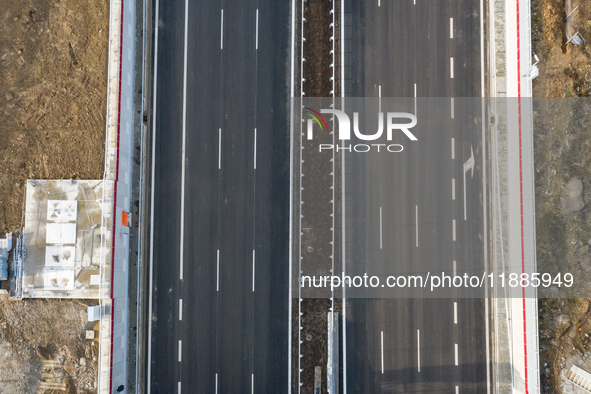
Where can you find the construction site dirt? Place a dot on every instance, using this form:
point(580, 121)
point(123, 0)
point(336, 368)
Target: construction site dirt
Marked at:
point(562, 158)
point(53, 87)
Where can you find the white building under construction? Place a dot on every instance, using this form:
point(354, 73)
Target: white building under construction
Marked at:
point(63, 250)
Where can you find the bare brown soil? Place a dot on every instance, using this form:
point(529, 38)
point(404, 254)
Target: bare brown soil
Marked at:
point(565, 70)
point(43, 345)
point(317, 32)
point(562, 152)
point(53, 87)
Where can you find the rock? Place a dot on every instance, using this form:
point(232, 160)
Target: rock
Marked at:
point(82, 361)
point(562, 319)
point(572, 200)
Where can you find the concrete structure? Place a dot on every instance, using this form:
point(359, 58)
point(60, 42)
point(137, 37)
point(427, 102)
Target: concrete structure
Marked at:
point(580, 377)
point(516, 322)
point(62, 244)
point(94, 312)
point(122, 121)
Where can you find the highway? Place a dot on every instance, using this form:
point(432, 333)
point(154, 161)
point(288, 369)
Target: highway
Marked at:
point(403, 210)
point(218, 303)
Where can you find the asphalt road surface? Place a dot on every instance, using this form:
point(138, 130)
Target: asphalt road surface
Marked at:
point(408, 208)
point(218, 301)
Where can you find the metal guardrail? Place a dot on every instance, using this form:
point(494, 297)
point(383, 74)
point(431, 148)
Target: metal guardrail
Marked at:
point(526, 80)
point(298, 123)
point(107, 201)
point(526, 22)
point(534, 266)
point(331, 347)
point(498, 9)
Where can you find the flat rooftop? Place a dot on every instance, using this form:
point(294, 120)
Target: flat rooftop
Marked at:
point(65, 242)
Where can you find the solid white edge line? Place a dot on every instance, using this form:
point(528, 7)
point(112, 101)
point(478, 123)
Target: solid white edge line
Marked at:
point(451, 67)
point(149, 372)
point(222, 32)
point(255, 148)
point(453, 148)
point(415, 99)
point(482, 50)
point(487, 335)
point(253, 265)
point(417, 226)
point(380, 227)
point(382, 352)
point(290, 242)
point(220, 149)
point(334, 158)
point(451, 27)
point(293, 40)
point(452, 108)
point(465, 205)
point(454, 229)
point(484, 205)
point(257, 31)
point(180, 309)
point(299, 210)
point(180, 350)
point(453, 188)
point(183, 149)
point(456, 354)
point(342, 42)
point(217, 285)
point(419, 350)
point(343, 221)
point(455, 313)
